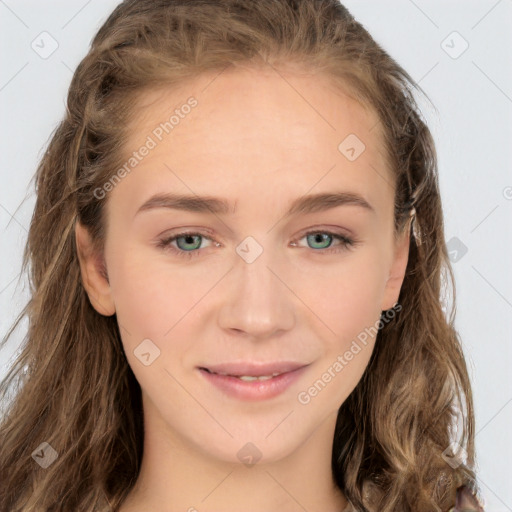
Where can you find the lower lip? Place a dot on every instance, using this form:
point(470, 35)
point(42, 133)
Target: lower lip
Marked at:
point(256, 389)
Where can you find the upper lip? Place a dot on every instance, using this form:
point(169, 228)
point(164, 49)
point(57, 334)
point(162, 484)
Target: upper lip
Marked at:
point(254, 369)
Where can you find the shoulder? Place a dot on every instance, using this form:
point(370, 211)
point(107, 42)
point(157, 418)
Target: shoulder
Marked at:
point(466, 501)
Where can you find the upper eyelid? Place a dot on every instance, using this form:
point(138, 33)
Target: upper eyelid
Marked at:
point(208, 233)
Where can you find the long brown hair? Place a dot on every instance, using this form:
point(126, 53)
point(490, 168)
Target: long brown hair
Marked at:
point(75, 389)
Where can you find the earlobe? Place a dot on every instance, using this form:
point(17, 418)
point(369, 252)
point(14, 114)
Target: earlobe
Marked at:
point(397, 272)
point(92, 269)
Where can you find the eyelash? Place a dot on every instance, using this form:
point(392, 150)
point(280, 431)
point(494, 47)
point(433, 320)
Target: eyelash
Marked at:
point(346, 243)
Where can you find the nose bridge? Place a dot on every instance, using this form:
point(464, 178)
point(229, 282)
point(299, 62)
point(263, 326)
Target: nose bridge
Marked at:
point(258, 302)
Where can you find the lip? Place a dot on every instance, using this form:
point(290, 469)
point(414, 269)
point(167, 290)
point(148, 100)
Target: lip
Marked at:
point(256, 390)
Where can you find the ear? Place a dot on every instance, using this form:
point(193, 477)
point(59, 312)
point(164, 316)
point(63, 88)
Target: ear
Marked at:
point(94, 275)
point(397, 270)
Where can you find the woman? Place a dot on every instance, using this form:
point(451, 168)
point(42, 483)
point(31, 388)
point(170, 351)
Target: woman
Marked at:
point(191, 347)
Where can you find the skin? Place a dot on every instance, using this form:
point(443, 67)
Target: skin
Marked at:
point(260, 139)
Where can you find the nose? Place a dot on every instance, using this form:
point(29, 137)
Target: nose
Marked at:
point(257, 300)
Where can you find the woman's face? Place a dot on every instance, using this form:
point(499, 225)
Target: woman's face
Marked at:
point(249, 285)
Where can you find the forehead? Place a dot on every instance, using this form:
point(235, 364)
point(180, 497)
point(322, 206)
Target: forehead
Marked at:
point(255, 98)
point(262, 130)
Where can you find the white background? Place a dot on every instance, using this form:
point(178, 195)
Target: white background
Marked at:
point(472, 127)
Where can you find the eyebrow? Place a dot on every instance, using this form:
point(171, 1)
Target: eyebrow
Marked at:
point(300, 206)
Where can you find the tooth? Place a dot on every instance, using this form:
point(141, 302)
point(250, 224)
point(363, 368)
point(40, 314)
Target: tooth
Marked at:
point(250, 378)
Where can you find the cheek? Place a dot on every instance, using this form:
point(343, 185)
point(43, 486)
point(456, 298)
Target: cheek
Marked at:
point(346, 307)
point(151, 296)
point(345, 296)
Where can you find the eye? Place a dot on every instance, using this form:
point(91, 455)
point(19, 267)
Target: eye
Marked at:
point(187, 243)
point(321, 241)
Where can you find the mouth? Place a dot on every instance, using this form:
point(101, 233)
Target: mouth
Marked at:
point(253, 382)
point(245, 378)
